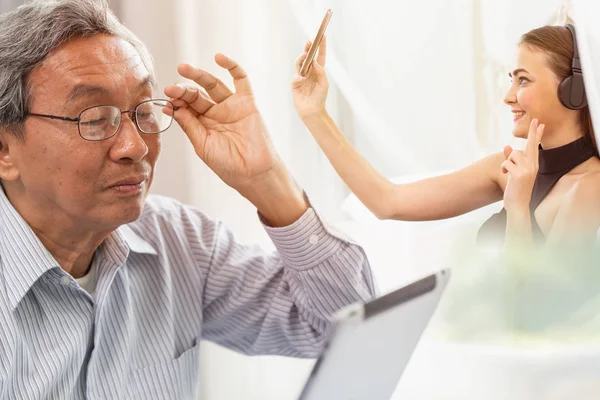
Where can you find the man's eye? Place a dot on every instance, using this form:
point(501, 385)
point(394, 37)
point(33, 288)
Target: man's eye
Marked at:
point(95, 122)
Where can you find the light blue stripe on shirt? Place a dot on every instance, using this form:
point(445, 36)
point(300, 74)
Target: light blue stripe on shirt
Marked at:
point(164, 282)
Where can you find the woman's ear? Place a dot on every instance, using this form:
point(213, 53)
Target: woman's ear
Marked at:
point(8, 169)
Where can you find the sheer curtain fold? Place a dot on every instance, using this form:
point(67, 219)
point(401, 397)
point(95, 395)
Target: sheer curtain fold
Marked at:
point(585, 13)
point(416, 86)
point(424, 82)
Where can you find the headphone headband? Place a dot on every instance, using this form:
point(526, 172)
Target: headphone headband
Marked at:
point(571, 91)
point(575, 64)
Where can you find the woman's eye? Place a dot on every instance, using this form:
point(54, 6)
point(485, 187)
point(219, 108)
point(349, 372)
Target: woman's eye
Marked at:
point(522, 80)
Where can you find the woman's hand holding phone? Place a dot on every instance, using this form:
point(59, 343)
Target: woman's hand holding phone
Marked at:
point(310, 91)
point(310, 85)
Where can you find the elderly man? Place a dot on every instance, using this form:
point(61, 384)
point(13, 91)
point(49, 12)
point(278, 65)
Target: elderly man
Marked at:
point(105, 293)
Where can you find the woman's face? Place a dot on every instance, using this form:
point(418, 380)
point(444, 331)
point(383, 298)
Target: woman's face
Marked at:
point(534, 93)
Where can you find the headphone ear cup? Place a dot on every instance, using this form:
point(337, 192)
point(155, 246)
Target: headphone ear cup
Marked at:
point(564, 92)
point(571, 92)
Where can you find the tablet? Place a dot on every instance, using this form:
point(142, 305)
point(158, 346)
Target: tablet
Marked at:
point(372, 342)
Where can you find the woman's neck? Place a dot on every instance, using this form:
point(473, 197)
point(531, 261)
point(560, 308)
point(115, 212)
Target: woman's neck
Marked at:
point(562, 136)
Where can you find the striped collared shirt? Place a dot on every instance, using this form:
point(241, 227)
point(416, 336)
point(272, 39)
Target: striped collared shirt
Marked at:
point(164, 282)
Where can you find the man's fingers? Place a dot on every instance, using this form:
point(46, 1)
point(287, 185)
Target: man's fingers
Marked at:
point(180, 91)
point(180, 104)
point(215, 88)
point(193, 96)
point(189, 123)
point(240, 78)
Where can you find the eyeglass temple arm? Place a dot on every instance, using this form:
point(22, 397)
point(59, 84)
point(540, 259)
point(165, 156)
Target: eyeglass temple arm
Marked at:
point(55, 117)
point(175, 108)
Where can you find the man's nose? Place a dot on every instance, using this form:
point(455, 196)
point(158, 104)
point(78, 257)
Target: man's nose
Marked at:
point(129, 144)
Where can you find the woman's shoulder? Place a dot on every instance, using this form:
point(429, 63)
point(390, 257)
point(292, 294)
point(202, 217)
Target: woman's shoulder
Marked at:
point(585, 192)
point(589, 180)
point(579, 209)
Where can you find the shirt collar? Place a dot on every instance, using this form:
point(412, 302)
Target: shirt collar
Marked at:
point(24, 259)
point(134, 241)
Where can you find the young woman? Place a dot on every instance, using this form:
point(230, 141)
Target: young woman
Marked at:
point(551, 190)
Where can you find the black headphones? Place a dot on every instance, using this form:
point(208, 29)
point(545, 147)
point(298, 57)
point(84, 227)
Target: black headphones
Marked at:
point(571, 91)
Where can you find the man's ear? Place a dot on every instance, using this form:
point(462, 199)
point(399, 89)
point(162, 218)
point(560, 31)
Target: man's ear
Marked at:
point(8, 169)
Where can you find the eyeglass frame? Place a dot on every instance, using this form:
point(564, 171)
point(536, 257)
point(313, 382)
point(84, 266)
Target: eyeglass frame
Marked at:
point(132, 112)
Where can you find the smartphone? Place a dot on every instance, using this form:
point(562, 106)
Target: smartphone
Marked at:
point(315, 44)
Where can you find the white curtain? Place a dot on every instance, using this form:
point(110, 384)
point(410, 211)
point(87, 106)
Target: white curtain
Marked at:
point(588, 38)
point(405, 68)
point(424, 81)
point(416, 86)
point(9, 5)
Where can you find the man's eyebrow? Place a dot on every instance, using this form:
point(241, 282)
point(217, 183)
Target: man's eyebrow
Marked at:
point(148, 83)
point(85, 90)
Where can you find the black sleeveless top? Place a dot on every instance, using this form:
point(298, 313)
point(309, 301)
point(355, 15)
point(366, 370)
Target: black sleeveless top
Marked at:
point(554, 163)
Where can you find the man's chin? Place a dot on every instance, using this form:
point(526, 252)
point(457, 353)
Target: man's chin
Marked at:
point(135, 212)
point(127, 213)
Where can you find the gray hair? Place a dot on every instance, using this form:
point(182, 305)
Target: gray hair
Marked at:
point(31, 32)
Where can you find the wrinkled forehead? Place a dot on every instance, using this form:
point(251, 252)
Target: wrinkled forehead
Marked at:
point(82, 66)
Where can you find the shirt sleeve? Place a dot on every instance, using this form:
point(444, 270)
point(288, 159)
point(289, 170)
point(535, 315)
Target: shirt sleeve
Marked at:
point(257, 302)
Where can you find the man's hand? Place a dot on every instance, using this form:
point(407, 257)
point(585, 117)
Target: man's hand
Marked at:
point(228, 134)
point(225, 128)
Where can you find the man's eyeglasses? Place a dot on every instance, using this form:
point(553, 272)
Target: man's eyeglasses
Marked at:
point(103, 122)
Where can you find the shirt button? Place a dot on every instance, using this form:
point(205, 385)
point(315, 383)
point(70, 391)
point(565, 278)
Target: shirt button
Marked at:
point(65, 281)
point(314, 239)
